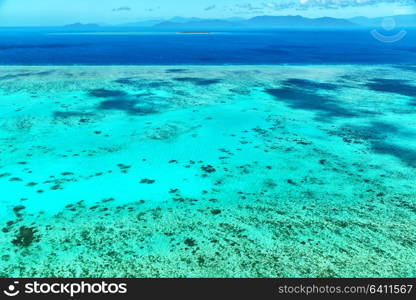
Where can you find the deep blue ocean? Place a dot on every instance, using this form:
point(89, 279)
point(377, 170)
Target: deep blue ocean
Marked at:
point(51, 46)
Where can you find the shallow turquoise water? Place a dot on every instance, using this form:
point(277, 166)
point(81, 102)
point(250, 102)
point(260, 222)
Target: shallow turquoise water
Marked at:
point(248, 171)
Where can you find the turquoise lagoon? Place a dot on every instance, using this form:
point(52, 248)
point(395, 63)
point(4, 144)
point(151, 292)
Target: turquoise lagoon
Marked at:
point(208, 171)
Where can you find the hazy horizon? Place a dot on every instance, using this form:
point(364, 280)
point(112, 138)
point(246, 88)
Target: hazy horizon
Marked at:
point(110, 12)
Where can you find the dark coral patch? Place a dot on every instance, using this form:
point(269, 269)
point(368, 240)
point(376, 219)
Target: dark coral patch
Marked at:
point(120, 100)
point(396, 86)
point(308, 100)
point(127, 81)
point(310, 84)
point(407, 67)
point(377, 135)
point(129, 106)
point(17, 210)
point(147, 181)
point(208, 169)
point(70, 114)
point(190, 242)
point(176, 70)
point(406, 155)
point(104, 93)
point(197, 81)
point(19, 75)
point(25, 237)
point(302, 94)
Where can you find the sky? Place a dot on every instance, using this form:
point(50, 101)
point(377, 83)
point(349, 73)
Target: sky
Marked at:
point(61, 12)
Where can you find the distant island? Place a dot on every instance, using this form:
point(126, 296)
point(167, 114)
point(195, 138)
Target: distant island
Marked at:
point(82, 25)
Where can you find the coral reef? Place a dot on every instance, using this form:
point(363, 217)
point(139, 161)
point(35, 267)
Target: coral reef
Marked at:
point(247, 171)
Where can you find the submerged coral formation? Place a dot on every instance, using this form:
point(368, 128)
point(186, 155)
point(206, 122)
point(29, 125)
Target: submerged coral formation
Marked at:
point(246, 171)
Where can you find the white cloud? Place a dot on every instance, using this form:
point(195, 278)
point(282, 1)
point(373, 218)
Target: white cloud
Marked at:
point(331, 3)
point(349, 3)
point(211, 7)
point(122, 8)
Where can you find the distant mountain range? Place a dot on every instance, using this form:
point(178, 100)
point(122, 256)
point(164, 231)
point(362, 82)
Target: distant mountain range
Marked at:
point(180, 21)
point(260, 22)
point(212, 23)
point(265, 22)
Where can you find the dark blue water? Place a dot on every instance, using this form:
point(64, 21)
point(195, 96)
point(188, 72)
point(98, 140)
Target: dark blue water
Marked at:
point(50, 47)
